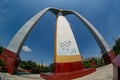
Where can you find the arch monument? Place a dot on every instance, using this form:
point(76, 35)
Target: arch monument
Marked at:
point(61, 64)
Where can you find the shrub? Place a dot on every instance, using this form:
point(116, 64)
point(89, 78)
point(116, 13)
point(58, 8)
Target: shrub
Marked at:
point(1, 62)
point(86, 64)
point(1, 49)
point(116, 47)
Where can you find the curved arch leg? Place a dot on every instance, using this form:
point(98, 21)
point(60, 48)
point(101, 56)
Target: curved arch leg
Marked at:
point(11, 54)
point(18, 40)
point(107, 53)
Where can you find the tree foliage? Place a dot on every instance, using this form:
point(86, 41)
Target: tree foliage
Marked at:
point(1, 49)
point(30, 65)
point(116, 47)
point(86, 64)
point(1, 62)
point(97, 61)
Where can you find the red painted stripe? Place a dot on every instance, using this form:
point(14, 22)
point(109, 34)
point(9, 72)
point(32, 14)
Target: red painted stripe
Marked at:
point(67, 67)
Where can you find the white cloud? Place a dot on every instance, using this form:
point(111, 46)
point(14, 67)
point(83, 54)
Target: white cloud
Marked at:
point(26, 49)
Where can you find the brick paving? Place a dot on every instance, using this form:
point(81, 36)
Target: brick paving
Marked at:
point(102, 73)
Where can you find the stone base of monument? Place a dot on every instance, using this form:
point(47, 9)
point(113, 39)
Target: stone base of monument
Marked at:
point(67, 67)
point(11, 60)
point(108, 57)
point(67, 75)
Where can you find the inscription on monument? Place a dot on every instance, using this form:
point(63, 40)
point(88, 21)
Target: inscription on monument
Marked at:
point(66, 43)
point(67, 46)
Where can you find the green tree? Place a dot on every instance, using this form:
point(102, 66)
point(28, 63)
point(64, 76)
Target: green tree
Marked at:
point(86, 64)
point(98, 62)
point(1, 62)
point(51, 67)
point(32, 64)
point(116, 47)
point(29, 65)
point(23, 64)
point(47, 68)
point(1, 49)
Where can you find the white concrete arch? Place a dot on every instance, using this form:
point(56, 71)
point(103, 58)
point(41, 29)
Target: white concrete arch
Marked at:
point(95, 33)
point(18, 40)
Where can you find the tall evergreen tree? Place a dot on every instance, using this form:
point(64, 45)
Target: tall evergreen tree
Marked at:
point(116, 47)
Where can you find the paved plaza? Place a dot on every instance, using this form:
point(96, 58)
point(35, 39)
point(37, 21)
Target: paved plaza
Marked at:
point(27, 76)
point(102, 73)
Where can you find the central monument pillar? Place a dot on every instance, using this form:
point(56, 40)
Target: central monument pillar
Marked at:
point(66, 55)
point(67, 59)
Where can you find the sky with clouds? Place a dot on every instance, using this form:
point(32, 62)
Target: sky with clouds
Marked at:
point(39, 46)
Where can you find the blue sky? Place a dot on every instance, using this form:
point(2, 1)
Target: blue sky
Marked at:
point(103, 14)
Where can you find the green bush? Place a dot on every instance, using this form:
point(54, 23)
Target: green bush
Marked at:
point(1, 49)
point(2, 62)
point(47, 68)
point(87, 64)
point(30, 65)
point(116, 47)
point(98, 62)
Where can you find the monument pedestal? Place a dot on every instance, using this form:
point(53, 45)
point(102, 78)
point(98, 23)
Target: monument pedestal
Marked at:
point(11, 60)
point(108, 57)
point(67, 75)
point(67, 71)
point(67, 59)
point(67, 67)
